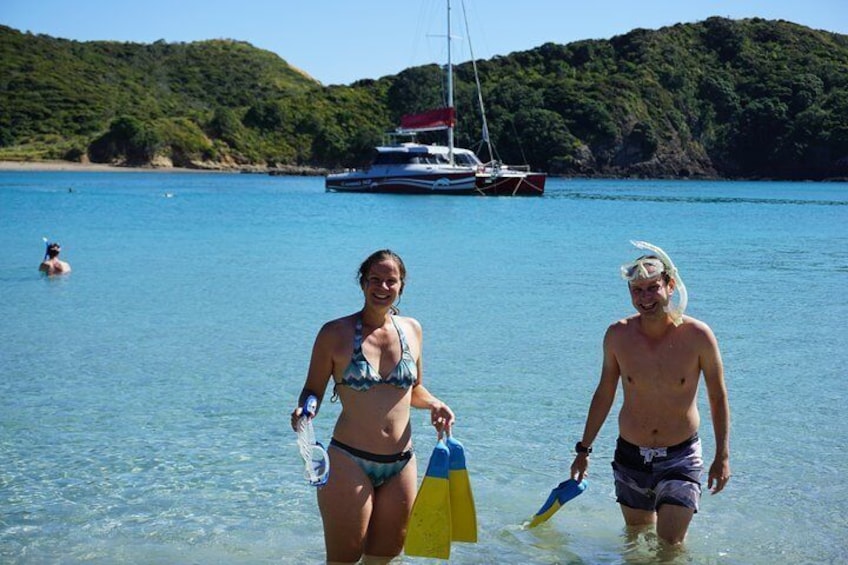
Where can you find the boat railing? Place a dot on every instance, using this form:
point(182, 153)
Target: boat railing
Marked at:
point(493, 167)
point(398, 136)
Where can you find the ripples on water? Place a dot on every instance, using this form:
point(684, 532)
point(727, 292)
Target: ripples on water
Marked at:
point(144, 398)
point(696, 199)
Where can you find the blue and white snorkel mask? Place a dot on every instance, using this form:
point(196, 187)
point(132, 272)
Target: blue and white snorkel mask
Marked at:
point(650, 267)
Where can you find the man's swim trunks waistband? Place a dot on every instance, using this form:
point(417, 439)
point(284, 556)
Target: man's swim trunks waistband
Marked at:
point(626, 451)
point(623, 443)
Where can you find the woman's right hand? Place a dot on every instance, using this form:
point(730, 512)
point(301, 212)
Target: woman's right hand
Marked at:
point(295, 417)
point(308, 407)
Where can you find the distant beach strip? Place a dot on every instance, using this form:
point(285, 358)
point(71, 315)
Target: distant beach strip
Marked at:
point(32, 166)
point(72, 166)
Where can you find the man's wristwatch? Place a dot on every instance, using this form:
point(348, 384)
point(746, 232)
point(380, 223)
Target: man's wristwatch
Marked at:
point(580, 448)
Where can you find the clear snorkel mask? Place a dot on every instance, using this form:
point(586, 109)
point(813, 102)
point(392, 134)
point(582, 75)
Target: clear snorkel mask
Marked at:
point(651, 267)
point(315, 457)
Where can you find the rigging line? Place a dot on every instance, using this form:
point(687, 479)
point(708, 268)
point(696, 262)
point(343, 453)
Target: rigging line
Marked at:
point(486, 139)
point(518, 140)
point(416, 37)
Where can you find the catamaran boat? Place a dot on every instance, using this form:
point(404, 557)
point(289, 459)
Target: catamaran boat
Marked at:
point(415, 168)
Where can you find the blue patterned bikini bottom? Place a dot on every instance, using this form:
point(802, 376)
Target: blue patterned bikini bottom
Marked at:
point(378, 468)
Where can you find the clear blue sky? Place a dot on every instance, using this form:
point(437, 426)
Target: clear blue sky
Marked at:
point(340, 41)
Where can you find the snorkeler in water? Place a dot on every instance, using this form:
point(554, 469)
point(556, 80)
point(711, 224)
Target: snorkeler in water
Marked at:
point(52, 265)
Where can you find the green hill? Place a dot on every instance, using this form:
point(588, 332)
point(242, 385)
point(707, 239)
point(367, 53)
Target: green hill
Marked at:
point(59, 97)
point(718, 98)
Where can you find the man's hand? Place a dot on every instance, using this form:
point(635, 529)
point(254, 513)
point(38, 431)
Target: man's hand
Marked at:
point(580, 467)
point(719, 475)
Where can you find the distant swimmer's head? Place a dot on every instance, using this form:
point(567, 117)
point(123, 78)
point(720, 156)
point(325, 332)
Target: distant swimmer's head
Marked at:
point(53, 250)
point(658, 265)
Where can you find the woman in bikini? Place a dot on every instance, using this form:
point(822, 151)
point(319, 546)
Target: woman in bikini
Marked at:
point(374, 359)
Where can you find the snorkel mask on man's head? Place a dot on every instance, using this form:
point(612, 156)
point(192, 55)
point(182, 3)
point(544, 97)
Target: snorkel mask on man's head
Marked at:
point(644, 268)
point(660, 264)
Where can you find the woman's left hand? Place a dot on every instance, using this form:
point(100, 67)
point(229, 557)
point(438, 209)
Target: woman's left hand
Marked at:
point(441, 417)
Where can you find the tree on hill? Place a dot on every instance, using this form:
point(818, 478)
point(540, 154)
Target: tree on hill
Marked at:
point(746, 98)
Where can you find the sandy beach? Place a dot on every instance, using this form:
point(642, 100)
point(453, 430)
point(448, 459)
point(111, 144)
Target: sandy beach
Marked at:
point(70, 166)
point(66, 166)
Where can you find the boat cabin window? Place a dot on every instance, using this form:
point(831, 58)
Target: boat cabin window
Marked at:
point(395, 158)
point(404, 158)
point(466, 160)
point(429, 159)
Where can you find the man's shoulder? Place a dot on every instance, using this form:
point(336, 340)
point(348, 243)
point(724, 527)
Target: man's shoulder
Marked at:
point(620, 332)
point(696, 326)
point(623, 325)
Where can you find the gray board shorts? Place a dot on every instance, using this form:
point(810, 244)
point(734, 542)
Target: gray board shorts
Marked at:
point(646, 478)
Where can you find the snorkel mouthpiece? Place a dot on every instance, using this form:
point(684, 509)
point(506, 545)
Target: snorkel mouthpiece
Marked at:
point(639, 269)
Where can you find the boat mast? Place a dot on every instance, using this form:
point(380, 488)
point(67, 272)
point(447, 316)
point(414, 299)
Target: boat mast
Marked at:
point(486, 138)
point(450, 88)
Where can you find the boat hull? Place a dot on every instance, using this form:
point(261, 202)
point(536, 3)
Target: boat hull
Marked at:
point(513, 183)
point(419, 183)
point(469, 183)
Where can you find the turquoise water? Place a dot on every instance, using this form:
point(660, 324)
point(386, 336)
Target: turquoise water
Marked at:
point(144, 398)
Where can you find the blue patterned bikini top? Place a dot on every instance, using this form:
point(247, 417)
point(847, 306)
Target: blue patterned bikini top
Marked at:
point(361, 376)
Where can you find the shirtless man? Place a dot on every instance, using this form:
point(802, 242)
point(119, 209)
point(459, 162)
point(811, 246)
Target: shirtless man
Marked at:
point(52, 265)
point(659, 355)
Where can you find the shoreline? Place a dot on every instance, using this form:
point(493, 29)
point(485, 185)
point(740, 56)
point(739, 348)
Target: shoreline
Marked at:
point(72, 166)
point(297, 170)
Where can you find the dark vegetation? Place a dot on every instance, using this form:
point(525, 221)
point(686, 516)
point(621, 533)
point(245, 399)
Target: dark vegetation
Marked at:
point(718, 98)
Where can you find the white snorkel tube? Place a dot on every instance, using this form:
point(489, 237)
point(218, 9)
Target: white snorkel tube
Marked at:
point(676, 312)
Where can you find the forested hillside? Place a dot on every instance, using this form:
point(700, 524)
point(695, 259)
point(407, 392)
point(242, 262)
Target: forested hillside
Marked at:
point(719, 98)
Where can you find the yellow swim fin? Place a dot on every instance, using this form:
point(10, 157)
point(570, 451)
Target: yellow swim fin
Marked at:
point(429, 530)
point(463, 512)
point(563, 492)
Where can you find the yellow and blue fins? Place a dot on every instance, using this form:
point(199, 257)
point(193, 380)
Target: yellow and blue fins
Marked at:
point(564, 492)
point(429, 530)
point(463, 513)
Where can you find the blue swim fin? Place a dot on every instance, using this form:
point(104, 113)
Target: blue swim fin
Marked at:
point(564, 492)
point(463, 512)
point(429, 530)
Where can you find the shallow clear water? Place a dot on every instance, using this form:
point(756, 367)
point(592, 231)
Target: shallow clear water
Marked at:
point(144, 398)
